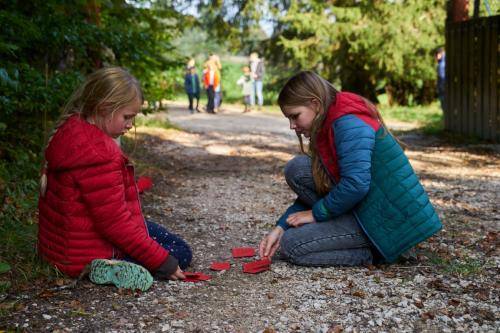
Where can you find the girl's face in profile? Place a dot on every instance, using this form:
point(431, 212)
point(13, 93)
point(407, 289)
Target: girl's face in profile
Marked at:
point(121, 121)
point(301, 118)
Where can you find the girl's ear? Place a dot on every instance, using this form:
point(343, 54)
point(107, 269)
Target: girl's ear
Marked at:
point(316, 105)
point(103, 110)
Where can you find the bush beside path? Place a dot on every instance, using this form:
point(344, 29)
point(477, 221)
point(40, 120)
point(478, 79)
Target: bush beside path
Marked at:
point(219, 184)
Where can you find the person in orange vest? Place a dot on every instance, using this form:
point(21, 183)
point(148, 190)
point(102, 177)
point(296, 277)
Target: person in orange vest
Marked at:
point(211, 81)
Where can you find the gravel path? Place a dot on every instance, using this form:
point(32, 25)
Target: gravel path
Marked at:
point(219, 184)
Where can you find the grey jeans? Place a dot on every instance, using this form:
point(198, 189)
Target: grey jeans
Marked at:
point(340, 241)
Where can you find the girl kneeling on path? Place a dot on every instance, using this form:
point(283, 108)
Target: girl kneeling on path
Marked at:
point(89, 205)
point(358, 196)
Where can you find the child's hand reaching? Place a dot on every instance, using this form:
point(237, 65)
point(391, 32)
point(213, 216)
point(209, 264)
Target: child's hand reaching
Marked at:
point(300, 218)
point(170, 270)
point(177, 275)
point(270, 243)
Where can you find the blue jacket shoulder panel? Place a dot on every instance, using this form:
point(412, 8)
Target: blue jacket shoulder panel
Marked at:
point(354, 142)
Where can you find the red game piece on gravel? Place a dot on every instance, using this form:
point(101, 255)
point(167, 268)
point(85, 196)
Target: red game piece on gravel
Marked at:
point(257, 266)
point(196, 277)
point(144, 183)
point(240, 252)
point(220, 266)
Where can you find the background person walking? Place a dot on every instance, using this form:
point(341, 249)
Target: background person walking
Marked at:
point(257, 69)
point(441, 76)
point(192, 87)
point(211, 81)
point(246, 83)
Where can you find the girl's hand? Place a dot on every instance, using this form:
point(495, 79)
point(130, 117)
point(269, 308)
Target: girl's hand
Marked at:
point(178, 275)
point(270, 243)
point(300, 218)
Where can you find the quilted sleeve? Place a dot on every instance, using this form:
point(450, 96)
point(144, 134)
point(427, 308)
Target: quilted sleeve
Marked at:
point(354, 142)
point(103, 191)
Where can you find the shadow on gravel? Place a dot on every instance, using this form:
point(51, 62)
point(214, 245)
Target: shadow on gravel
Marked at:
point(190, 161)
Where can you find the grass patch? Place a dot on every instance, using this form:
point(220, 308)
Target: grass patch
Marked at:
point(154, 122)
point(428, 117)
point(457, 267)
point(18, 221)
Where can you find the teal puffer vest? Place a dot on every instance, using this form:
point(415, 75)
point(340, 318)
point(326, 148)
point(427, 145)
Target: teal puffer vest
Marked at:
point(396, 214)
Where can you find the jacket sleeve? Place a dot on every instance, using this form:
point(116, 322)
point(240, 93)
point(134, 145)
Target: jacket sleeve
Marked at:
point(186, 83)
point(197, 83)
point(354, 142)
point(297, 206)
point(103, 191)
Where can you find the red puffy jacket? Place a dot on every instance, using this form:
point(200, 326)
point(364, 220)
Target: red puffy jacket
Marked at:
point(91, 208)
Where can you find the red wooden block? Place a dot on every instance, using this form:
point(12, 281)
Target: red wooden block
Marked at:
point(240, 252)
point(196, 277)
point(257, 266)
point(144, 183)
point(220, 266)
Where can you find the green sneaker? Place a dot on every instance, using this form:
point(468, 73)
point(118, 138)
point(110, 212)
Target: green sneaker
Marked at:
point(122, 274)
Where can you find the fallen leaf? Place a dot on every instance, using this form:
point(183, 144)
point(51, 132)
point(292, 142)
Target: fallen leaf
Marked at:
point(358, 293)
point(427, 315)
point(181, 314)
point(418, 303)
point(389, 274)
point(438, 284)
point(46, 293)
point(335, 329)
point(487, 314)
point(483, 294)
point(75, 304)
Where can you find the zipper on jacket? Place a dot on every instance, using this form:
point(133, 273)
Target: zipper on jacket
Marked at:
point(131, 166)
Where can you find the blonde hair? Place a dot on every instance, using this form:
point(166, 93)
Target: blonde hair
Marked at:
point(301, 90)
point(102, 93)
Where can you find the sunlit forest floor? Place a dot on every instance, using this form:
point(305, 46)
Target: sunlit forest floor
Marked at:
point(218, 183)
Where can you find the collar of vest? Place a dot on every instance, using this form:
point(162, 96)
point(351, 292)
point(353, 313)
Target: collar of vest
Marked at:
point(345, 103)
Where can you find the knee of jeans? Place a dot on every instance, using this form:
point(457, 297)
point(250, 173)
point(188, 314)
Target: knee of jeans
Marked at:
point(294, 168)
point(288, 244)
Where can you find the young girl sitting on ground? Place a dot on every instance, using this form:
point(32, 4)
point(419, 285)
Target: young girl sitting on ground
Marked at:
point(89, 205)
point(358, 196)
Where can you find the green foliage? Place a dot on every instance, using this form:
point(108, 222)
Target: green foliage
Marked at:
point(458, 266)
point(429, 117)
point(367, 46)
point(4, 267)
point(154, 122)
point(231, 72)
point(362, 46)
point(18, 199)
point(46, 48)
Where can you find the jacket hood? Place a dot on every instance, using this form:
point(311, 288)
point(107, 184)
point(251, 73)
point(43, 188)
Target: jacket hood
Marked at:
point(78, 144)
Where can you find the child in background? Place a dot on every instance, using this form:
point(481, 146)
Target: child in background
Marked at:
point(358, 196)
point(89, 205)
point(192, 87)
point(211, 82)
point(246, 83)
point(215, 60)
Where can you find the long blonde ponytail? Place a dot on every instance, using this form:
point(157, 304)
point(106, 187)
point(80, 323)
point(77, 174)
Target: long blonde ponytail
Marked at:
point(300, 90)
